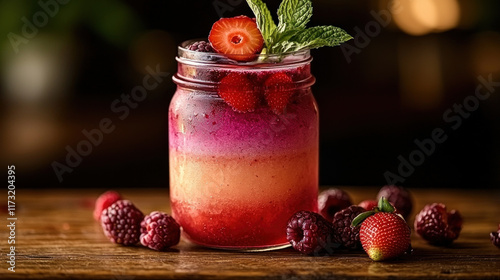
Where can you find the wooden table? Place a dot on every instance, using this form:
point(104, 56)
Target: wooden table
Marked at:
point(57, 238)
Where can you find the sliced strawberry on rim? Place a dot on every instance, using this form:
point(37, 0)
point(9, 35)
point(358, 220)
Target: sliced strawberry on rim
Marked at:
point(239, 92)
point(238, 38)
point(278, 90)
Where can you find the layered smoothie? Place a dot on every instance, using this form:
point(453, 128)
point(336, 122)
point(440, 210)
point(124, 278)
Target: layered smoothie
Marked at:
point(236, 178)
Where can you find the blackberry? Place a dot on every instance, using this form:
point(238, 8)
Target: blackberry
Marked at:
point(104, 201)
point(438, 226)
point(159, 231)
point(332, 200)
point(201, 46)
point(121, 222)
point(310, 233)
point(495, 237)
point(342, 229)
point(399, 197)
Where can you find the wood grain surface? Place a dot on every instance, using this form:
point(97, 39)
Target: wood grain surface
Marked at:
point(57, 238)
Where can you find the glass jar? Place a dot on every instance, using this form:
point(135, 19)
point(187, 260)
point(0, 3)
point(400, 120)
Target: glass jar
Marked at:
point(237, 177)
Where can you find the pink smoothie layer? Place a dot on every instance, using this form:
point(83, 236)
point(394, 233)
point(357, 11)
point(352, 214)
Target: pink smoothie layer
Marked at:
point(219, 130)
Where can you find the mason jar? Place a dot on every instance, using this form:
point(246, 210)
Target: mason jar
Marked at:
point(236, 177)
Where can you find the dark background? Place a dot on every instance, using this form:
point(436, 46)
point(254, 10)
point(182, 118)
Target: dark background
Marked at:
point(392, 90)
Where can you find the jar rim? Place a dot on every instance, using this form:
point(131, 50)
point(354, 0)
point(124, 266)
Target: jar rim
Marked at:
point(185, 55)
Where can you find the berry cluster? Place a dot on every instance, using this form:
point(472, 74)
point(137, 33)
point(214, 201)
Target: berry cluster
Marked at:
point(124, 224)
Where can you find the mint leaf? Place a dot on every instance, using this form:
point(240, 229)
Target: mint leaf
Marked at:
point(321, 36)
point(311, 38)
point(291, 33)
point(265, 21)
point(294, 14)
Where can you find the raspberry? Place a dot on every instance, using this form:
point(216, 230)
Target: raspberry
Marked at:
point(159, 231)
point(342, 229)
point(436, 225)
point(309, 233)
point(104, 201)
point(201, 46)
point(121, 222)
point(495, 237)
point(332, 200)
point(399, 197)
point(368, 204)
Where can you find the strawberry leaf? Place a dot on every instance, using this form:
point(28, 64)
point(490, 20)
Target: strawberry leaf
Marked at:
point(385, 206)
point(361, 217)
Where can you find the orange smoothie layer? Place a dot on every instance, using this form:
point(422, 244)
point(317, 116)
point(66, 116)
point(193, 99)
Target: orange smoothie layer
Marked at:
point(242, 201)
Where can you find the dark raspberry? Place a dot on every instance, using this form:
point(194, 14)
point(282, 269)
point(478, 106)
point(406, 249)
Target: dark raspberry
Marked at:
point(495, 237)
point(121, 222)
point(332, 200)
point(399, 197)
point(342, 229)
point(201, 46)
point(159, 231)
point(104, 201)
point(309, 233)
point(438, 226)
point(368, 204)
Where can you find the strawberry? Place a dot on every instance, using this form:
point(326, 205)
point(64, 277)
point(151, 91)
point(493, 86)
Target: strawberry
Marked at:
point(238, 38)
point(278, 89)
point(237, 91)
point(383, 233)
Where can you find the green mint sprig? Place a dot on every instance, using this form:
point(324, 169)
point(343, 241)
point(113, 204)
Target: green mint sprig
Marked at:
point(291, 33)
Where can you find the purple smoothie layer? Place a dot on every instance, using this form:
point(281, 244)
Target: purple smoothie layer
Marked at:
point(210, 127)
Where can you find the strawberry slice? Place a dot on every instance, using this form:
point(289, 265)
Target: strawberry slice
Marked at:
point(238, 38)
point(237, 91)
point(278, 89)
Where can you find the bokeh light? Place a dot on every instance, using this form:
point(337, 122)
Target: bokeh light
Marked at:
point(419, 17)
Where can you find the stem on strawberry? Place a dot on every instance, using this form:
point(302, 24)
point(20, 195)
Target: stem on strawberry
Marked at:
point(383, 206)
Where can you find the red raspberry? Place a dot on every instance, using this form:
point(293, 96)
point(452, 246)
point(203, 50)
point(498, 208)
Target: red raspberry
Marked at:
point(201, 46)
point(159, 231)
point(310, 233)
point(342, 229)
point(332, 200)
point(495, 237)
point(436, 225)
point(399, 197)
point(104, 201)
point(121, 222)
point(368, 204)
